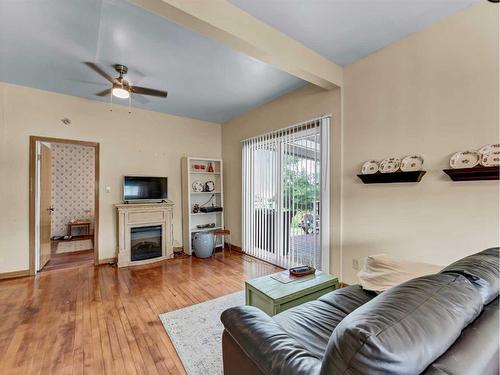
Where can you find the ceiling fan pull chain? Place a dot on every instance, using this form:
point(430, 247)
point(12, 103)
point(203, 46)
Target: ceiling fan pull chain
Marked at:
point(111, 103)
point(129, 104)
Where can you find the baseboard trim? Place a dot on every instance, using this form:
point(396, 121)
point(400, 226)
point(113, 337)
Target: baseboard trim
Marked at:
point(14, 274)
point(107, 261)
point(240, 250)
point(234, 248)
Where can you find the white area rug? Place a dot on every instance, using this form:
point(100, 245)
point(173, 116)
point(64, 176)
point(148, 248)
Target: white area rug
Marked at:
point(196, 332)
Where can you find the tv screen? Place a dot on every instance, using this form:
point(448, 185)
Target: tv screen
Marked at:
point(144, 188)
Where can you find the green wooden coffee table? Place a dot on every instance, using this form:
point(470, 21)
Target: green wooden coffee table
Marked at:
point(273, 296)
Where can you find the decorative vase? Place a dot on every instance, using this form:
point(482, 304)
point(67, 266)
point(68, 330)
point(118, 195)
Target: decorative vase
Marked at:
point(203, 244)
point(210, 168)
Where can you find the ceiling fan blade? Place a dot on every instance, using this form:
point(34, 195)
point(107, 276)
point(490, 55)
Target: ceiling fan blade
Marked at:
point(146, 91)
point(99, 71)
point(104, 92)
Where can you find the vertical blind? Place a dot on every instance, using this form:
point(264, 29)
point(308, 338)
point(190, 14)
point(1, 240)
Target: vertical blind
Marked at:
point(285, 195)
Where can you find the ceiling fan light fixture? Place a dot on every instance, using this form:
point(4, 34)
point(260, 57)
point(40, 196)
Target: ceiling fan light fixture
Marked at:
point(120, 92)
point(121, 88)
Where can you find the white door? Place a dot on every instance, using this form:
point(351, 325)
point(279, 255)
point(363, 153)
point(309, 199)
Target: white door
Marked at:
point(45, 204)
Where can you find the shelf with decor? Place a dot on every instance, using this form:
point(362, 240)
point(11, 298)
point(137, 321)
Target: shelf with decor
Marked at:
point(475, 165)
point(473, 174)
point(202, 186)
point(206, 213)
point(394, 177)
point(205, 192)
point(393, 170)
point(208, 173)
point(195, 230)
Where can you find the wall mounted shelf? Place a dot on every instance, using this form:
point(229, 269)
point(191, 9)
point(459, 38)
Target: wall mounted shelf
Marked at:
point(473, 174)
point(388, 178)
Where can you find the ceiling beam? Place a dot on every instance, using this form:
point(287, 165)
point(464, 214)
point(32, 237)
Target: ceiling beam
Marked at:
point(228, 24)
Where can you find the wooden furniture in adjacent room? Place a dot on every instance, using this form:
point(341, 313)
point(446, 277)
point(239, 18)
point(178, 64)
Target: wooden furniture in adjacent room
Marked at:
point(79, 224)
point(273, 296)
point(224, 234)
point(86, 225)
point(202, 198)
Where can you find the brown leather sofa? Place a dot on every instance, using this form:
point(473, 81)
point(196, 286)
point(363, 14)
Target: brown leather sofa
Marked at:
point(442, 324)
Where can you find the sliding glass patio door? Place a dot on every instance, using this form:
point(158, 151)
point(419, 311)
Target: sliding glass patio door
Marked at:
point(285, 195)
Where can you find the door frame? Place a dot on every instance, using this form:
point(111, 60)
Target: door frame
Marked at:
point(32, 193)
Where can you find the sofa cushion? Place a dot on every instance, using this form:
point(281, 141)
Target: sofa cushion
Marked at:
point(381, 272)
point(476, 350)
point(312, 323)
point(267, 345)
point(404, 329)
point(482, 270)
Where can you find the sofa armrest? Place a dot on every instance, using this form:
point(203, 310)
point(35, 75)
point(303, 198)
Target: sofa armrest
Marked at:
point(271, 349)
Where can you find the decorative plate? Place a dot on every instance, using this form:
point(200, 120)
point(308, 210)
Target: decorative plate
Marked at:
point(492, 159)
point(197, 186)
point(488, 149)
point(412, 163)
point(370, 167)
point(465, 159)
point(389, 165)
point(209, 186)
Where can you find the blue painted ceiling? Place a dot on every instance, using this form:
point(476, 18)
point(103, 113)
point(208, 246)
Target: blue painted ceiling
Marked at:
point(43, 44)
point(347, 30)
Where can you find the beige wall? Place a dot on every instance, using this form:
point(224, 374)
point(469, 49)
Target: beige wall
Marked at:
point(433, 94)
point(143, 142)
point(303, 104)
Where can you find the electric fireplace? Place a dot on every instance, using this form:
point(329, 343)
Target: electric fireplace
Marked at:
point(145, 233)
point(145, 242)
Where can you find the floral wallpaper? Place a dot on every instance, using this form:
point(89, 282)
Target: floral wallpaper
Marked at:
point(72, 185)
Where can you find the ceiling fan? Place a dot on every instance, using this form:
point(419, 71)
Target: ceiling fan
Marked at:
point(121, 88)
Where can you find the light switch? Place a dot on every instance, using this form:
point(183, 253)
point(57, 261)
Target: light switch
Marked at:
point(108, 189)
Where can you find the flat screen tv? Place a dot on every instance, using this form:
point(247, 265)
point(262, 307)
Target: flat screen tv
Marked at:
point(140, 188)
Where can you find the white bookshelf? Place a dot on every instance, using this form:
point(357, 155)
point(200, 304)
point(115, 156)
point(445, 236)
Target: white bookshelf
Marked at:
point(190, 220)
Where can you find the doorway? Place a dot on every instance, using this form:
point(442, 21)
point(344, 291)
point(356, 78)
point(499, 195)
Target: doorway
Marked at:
point(64, 203)
point(286, 195)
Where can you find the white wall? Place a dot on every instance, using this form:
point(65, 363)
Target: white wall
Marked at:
point(433, 94)
point(147, 143)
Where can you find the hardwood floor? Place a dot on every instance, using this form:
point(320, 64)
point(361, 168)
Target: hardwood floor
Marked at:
point(104, 320)
point(70, 260)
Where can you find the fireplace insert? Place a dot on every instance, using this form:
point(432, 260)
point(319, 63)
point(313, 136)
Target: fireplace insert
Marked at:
point(145, 242)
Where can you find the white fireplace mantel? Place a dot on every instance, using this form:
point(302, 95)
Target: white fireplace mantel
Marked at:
point(134, 215)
